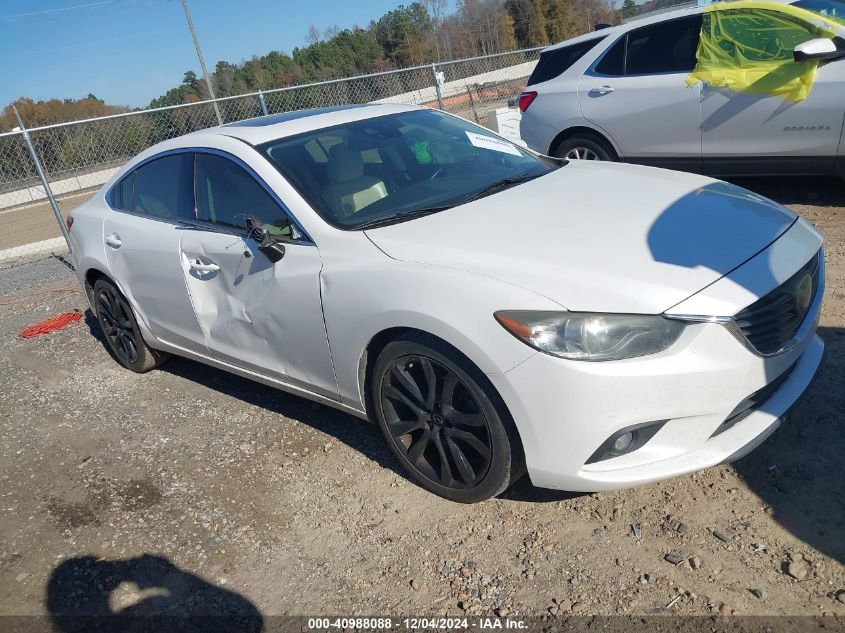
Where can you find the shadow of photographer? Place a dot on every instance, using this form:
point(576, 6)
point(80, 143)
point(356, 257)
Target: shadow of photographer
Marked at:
point(146, 593)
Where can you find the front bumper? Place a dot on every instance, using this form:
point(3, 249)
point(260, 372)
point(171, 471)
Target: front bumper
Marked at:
point(565, 410)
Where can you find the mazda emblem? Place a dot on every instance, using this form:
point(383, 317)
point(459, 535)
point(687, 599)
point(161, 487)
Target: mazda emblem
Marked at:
point(804, 293)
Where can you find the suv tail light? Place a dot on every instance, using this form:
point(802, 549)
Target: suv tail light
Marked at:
point(526, 99)
point(69, 222)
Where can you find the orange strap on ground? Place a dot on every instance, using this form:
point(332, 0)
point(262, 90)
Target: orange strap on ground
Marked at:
point(50, 325)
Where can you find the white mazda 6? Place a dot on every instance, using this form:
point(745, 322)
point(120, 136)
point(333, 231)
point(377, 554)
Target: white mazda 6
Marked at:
point(493, 310)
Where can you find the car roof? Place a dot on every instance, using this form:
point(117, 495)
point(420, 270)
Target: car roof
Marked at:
point(652, 17)
point(275, 126)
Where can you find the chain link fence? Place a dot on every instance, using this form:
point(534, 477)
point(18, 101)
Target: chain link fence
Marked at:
point(80, 156)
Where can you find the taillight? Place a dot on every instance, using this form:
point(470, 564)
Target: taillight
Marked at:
point(526, 99)
point(69, 222)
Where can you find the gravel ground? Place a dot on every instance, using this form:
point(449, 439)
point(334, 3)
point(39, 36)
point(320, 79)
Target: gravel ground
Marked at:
point(116, 489)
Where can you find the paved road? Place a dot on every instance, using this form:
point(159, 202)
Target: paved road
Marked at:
point(35, 223)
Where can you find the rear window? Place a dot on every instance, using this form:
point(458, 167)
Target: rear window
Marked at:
point(122, 194)
point(554, 62)
point(164, 187)
point(665, 47)
point(613, 62)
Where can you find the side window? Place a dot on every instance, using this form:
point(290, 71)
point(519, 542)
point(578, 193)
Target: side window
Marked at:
point(227, 194)
point(163, 187)
point(831, 9)
point(665, 47)
point(748, 36)
point(558, 60)
point(127, 192)
point(613, 62)
point(122, 194)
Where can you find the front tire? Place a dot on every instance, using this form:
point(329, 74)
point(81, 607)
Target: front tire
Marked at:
point(584, 147)
point(120, 328)
point(443, 420)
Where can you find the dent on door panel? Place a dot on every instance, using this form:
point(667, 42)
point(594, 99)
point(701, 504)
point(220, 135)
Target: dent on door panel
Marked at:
point(261, 316)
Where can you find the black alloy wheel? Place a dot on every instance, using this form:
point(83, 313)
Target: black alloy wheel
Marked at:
point(122, 335)
point(436, 422)
point(121, 330)
point(441, 423)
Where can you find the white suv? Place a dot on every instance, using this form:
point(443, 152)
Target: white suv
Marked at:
point(622, 93)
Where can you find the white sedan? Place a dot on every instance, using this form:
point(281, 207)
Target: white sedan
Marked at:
point(602, 325)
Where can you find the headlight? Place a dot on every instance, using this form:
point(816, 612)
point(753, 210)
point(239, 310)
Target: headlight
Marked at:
point(590, 336)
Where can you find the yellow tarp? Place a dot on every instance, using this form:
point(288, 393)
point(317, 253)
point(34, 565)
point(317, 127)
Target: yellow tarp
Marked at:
point(747, 46)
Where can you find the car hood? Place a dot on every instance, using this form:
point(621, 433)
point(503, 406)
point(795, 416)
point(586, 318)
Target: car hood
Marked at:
point(598, 236)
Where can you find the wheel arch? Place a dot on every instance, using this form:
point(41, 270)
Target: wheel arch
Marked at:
point(367, 360)
point(91, 276)
point(584, 130)
point(380, 340)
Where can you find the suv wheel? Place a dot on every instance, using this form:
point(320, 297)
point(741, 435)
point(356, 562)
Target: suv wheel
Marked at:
point(584, 147)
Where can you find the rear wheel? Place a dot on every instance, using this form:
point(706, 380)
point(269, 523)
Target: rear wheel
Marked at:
point(584, 147)
point(120, 328)
point(443, 421)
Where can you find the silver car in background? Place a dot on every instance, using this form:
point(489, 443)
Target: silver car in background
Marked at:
point(622, 93)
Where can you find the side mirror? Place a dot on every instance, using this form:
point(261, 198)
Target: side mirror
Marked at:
point(818, 49)
point(273, 249)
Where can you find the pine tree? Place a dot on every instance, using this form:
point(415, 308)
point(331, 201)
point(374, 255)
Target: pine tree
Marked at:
point(629, 8)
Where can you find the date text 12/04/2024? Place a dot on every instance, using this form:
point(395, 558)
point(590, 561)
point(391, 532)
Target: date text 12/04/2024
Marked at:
point(415, 623)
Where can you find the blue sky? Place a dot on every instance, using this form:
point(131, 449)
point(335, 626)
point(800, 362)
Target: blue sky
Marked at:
point(130, 51)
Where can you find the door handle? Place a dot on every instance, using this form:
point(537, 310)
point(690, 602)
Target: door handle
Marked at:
point(603, 90)
point(113, 240)
point(198, 266)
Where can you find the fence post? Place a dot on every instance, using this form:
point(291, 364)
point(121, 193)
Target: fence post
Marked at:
point(43, 176)
point(262, 102)
point(437, 86)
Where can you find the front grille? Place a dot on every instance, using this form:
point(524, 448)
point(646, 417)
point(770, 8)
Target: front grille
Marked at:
point(753, 402)
point(771, 321)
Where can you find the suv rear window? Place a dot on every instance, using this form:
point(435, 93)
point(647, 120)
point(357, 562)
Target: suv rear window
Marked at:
point(665, 47)
point(613, 62)
point(554, 62)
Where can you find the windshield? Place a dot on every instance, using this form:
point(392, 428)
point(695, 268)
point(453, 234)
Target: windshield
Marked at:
point(391, 168)
point(831, 9)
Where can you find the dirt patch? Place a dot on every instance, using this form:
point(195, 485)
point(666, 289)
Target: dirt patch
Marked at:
point(207, 484)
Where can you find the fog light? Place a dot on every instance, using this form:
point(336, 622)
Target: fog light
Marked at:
point(626, 441)
point(623, 442)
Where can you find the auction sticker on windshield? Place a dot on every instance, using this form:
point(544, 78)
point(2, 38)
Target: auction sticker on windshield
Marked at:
point(494, 144)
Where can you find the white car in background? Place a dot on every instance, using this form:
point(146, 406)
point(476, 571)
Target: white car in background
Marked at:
point(621, 93)
point(492, 309)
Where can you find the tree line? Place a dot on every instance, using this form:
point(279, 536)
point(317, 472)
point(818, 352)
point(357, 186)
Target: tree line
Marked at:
point(410, 35)
point(416, 34)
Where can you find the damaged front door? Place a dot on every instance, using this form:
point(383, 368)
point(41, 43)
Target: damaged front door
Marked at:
point(261, 316)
